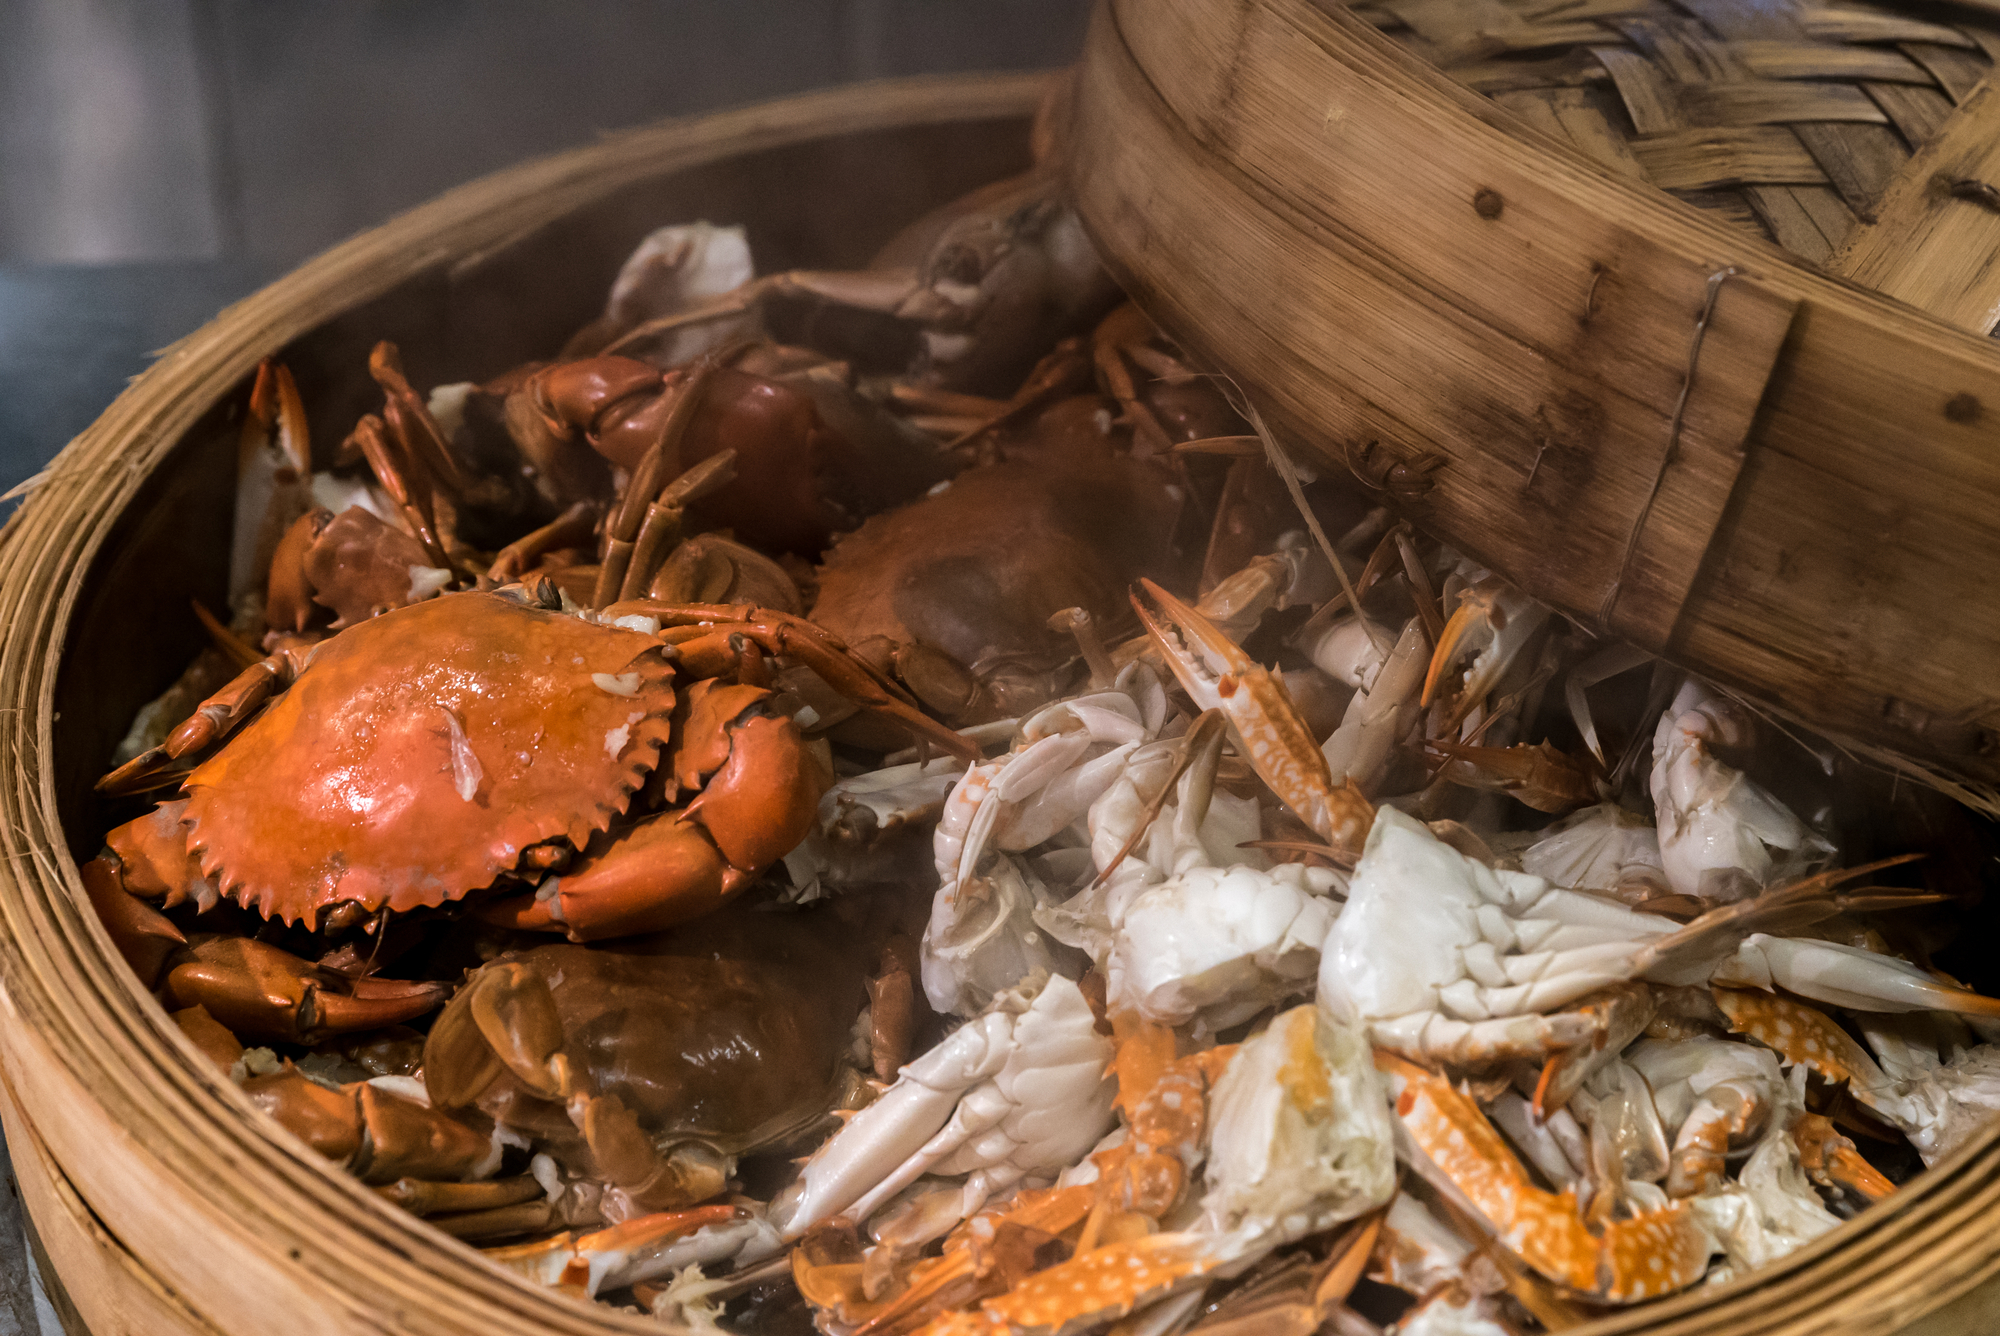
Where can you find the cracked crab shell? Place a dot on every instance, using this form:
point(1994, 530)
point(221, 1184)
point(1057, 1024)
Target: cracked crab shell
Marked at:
point(419, 753)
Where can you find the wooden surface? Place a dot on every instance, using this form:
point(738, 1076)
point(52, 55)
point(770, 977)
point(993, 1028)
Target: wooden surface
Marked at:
point(1397, 270)
point(169, 1205)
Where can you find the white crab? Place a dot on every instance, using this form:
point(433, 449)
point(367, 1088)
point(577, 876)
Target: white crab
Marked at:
point(1771, 1208)
point(1722, 836)
point(1447, 959)
point(1189, 926)
point(1602, 848)
point(1022, 1089)
point(981, 936)
point(1939, 1103)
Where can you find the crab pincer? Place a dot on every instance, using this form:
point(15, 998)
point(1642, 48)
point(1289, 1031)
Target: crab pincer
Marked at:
point(1495, 620)
point(1218, 675)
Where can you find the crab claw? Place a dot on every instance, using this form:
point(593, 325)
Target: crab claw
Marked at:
point(142, 934)
point(1218, 675)
point(260, 991)
point(1498, 621)
point(1831, 1159)
point(635, 1250)
point(377, 1135)
point(506, 1020)
point(760, 792)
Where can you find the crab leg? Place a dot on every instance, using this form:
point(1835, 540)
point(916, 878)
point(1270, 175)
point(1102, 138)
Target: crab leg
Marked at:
point(1218, 675)
point(409, 418)
point(405, 482)
point(660, 532)
point(274, 460)
point(212, 720)
point(781, 633)
point(377, 1135)
point(1619, 1014)
point(1651, 1254)
point(506, 1019)
point(632, 1251)
point(573, 528)
point(1831, 1159)
point(633, 515)
point(1540, 776)
point(142, 934)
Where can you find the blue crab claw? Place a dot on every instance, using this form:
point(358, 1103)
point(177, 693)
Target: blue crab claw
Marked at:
point(1218, 675)
point(1498, 621)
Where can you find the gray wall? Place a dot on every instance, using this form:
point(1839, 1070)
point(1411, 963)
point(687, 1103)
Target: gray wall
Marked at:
point(160, 158)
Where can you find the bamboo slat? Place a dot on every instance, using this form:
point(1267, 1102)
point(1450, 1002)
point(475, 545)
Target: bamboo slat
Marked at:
point(1822, 72)
point(167, 1202)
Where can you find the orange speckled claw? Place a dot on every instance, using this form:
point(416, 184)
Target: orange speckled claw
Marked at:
point(1649, 1255)
point(1799, 1033)
point(1218, 675)
point(1830, 1158)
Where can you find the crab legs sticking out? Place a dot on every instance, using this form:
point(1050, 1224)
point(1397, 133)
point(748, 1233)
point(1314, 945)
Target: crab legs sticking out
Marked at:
point(1218, 675)
point(1651, 1253)
point(648, 1074)
point(274, 465)
point(641, 1248)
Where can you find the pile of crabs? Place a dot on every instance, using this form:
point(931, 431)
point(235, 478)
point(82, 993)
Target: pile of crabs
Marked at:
point(886, 801)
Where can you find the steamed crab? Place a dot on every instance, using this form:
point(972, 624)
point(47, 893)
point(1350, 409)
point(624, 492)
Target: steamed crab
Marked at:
point(486, 743)
point(645, 1070)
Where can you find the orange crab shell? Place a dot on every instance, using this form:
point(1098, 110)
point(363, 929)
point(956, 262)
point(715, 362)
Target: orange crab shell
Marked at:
point(420, 752)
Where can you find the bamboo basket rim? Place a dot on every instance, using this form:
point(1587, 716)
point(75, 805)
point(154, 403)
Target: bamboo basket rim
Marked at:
point(302, 1225)
point(1871, 1269)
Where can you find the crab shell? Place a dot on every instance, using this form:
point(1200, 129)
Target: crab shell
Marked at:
point(420, 752)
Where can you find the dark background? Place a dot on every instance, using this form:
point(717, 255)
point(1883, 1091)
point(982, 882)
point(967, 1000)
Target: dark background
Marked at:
point(161, 158)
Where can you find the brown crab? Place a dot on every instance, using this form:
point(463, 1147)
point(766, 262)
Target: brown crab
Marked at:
point(646, 1068)
point(954, 593)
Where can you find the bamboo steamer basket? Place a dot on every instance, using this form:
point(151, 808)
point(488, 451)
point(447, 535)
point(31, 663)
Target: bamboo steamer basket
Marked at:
point(1474, 287)
point(165, 1205)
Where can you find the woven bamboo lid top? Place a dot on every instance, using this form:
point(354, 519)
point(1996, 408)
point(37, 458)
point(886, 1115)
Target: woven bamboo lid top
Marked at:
point(1789, 118)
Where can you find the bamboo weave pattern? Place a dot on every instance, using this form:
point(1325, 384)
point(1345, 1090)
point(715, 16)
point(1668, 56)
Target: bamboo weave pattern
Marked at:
point(1786, 117)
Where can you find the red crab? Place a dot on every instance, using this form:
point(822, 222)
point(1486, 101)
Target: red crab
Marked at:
point(428, 753)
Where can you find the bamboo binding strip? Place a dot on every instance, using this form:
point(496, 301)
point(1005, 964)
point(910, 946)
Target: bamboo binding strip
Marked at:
point(1647, 415)
point(170, 1206)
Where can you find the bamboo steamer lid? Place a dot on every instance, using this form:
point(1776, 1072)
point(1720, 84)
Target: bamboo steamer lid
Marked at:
point(1578, 285)
point(165, 1204)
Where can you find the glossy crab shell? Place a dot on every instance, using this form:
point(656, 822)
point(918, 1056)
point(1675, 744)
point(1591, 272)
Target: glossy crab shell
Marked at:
point(420, 752)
